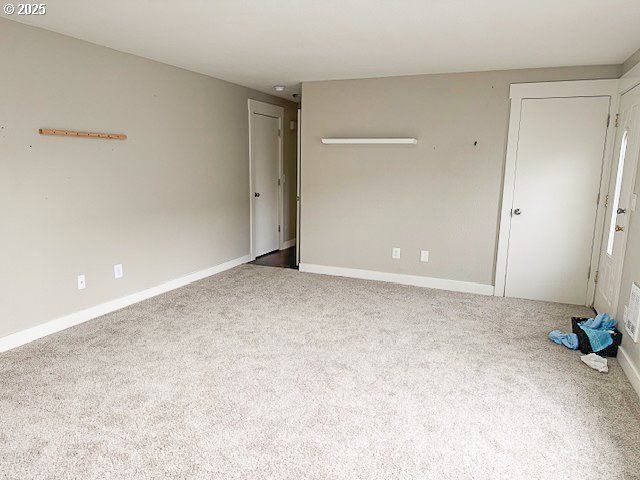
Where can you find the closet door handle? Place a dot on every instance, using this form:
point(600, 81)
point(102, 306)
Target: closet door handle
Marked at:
point(256, 194)
point(517, 211)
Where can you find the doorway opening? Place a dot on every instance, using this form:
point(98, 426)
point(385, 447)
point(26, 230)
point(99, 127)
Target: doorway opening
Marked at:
point(271, 229)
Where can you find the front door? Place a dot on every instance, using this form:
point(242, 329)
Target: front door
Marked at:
point(619, 201)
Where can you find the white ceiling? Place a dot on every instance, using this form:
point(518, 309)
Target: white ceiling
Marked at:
point(261, 43)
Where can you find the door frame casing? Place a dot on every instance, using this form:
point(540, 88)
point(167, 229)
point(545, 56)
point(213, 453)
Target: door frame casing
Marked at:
point(630, 80)
point(565, 89)
point(275, 111)
point(298, 183)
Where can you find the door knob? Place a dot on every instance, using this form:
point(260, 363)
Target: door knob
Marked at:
point(619, 228)
point(621, 211)
point(256, 194)
point(517, 211)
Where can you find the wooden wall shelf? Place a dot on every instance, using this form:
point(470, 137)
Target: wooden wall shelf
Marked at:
point(71, 133)
point(369, 141)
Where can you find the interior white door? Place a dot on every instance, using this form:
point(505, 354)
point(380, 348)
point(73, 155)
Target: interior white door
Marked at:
point(265, 184)
point(558, 172)
point(619, 200)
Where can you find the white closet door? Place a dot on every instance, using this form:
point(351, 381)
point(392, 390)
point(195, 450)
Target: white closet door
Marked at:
point(265, 200)
point(558, 172)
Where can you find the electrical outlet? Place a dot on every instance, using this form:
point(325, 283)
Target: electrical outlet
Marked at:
point(424, 255)
point(395, 253)
point(117, 271)
point(82, 282)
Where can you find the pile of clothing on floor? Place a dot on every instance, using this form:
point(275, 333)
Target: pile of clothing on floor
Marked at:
point(599, 331)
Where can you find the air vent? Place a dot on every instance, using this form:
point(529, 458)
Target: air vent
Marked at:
point(632, 312)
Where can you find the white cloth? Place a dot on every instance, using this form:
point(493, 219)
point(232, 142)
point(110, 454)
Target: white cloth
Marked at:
point(596, 362)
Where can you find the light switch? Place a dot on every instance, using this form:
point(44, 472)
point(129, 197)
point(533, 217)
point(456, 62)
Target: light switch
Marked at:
point(117, 271)
point(82, 283)
point(395, 253)
point(424, 255)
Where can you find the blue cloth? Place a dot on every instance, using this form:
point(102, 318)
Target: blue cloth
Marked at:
point(599, 331)
point(569, 340)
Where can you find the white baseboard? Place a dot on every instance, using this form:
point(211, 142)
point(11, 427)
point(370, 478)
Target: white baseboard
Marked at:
point(415, 280)
point(629, 369)
point(25, 336)
point(288, 244)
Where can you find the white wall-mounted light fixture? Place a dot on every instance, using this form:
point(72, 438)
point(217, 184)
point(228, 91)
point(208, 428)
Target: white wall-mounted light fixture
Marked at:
point(279, 88)
point(369, 141)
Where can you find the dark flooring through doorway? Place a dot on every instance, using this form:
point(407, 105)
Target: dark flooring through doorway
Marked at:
point(278, 258)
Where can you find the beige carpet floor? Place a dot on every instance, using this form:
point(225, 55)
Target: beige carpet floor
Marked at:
point(267, 373)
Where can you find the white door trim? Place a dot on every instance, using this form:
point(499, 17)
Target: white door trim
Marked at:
point(518, 92)
point(630, 79)
point(298, 184)
point(262, 108)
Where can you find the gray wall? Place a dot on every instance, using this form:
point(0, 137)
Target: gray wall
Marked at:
point(170, 200)
point(442, 195)
point(631, 62)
